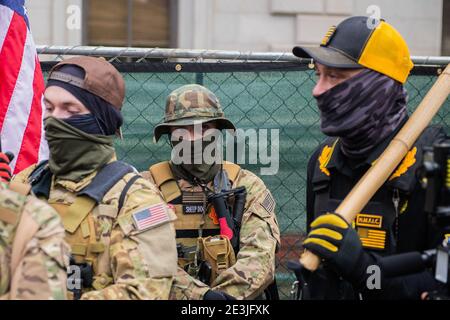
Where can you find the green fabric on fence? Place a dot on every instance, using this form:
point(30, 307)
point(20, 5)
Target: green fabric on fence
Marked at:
point(266, 99)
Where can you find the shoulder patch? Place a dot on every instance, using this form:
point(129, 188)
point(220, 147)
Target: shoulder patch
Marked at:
point(268, 203)
point(151, 217)
point(325, 157)
point(407, 162)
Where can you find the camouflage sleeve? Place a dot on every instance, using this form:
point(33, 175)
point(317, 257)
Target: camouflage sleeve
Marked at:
point(143, 258)
point(41, 271)
point(4, 262)
point(186, 287)
point(254, 269)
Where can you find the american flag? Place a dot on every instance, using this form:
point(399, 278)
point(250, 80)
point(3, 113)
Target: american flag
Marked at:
point(21, 88)
point(151, 216)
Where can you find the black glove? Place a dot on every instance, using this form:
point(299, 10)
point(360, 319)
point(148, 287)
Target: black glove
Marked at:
point(334, 240)
point(217, 295)
point(5, 169)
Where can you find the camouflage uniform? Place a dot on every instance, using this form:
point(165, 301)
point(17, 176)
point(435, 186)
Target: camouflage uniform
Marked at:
point(119, 228)
point(128, 263)
point(33, 253)
point(254, 269)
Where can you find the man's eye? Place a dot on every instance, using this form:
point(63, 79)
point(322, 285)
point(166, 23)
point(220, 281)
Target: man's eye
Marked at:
point(74, 111)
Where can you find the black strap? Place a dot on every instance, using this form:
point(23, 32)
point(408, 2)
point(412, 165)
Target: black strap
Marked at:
point(123, 194)
point(40, 180)
point(105, 179)
point(41, 177)
point(271, 291)
point(37, 172)
point(178, 200)
point(193, 233)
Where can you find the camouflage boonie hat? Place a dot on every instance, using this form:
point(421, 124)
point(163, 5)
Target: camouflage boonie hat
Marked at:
point(192, 104)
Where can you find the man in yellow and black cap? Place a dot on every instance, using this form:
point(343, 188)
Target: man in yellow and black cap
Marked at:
point(361, 67)
point(118, 227)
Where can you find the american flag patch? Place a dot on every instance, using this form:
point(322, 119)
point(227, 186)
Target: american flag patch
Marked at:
point(151, 217)
point(373, 239)
point(268, 203)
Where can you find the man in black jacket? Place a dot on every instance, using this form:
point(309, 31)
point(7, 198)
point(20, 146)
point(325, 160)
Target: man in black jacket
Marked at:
point(361, 68)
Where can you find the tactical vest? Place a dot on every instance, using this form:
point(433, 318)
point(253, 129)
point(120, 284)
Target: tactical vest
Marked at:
point(89, 252)
point(377, 223)
point(187, 208)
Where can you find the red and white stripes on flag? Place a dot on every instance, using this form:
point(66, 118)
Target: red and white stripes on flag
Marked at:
point(151, 217)
point(21, 89)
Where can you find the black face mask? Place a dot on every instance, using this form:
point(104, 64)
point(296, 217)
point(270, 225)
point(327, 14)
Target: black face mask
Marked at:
point(86, 123)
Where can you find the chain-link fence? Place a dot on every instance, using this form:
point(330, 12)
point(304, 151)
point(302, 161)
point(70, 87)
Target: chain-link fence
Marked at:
point(272, 95)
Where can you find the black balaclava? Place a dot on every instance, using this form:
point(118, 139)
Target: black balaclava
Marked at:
point(362, 111)
point(81, 144)
point(104, 119)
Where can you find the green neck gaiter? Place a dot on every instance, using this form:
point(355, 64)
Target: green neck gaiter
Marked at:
point(203, 172)
point(75, 154)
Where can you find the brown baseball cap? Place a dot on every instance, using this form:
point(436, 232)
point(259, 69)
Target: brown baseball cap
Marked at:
point(101, 78)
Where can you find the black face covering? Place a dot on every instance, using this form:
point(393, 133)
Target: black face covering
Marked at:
point(362, 111)
point(108, 118)
point(86, 123)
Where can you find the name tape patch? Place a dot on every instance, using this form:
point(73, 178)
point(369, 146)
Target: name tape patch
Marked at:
point(369, 220)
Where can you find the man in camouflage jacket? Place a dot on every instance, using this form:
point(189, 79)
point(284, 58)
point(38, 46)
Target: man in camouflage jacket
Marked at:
point(186, 187)
point(119, 228)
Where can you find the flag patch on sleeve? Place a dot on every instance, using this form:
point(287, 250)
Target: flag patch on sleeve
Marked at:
point(268, 203)
point(151, 217)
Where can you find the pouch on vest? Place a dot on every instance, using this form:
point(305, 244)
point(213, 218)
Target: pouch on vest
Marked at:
point(219, 253)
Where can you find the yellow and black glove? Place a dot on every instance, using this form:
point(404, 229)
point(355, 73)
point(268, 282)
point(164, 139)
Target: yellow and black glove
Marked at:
point(338, 244)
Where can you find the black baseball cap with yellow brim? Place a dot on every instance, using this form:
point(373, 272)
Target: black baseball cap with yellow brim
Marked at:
point(359, 42)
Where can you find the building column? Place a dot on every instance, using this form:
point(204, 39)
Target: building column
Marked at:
point(195, 23)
